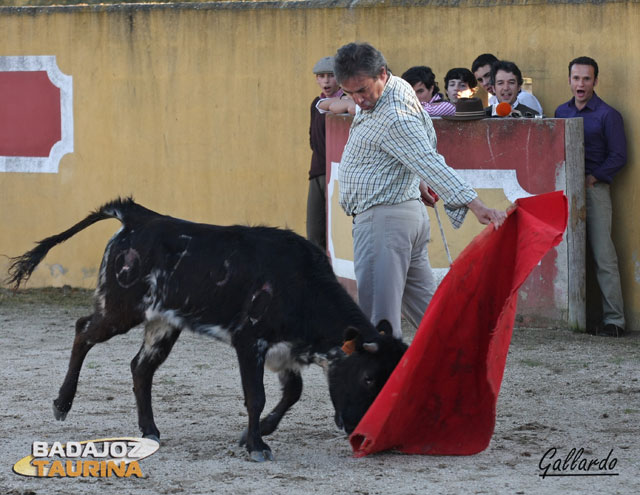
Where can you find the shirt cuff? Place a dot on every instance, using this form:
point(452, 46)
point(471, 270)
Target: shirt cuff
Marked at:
point(320, 109)
point(457, 214)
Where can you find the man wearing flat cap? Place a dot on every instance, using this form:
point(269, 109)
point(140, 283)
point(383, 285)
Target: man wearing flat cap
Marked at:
point(316, 209)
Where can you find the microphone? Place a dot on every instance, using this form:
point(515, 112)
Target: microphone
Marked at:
point(503, 109)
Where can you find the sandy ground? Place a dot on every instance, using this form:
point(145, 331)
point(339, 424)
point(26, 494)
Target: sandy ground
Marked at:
point(560, 389)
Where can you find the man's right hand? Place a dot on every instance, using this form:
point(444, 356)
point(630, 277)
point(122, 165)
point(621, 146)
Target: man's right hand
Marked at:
point(427, 195)
point(590, 180)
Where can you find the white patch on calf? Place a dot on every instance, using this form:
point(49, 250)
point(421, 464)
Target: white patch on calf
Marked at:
point(86, 325)
point(160, 321)
point(323, 361)
point(259, 303)
point(184, 252)
point(227, 274)
point(155, 296)
point(153, 301)
point(215, 331)
point(100, 301)
point(155, 331)
point(169, 316)
point(279, 358)
point(115, 212)
point(102, 276)
point(150, 297)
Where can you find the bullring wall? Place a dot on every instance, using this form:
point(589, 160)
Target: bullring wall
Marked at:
point(200, 110)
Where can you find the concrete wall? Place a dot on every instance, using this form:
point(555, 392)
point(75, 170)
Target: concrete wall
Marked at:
point(201, 110)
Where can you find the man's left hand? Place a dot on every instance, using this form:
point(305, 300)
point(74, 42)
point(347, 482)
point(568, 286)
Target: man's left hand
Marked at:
point(487, 215)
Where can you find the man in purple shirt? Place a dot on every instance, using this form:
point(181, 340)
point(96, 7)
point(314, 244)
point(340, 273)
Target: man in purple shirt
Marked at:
point(605, 153)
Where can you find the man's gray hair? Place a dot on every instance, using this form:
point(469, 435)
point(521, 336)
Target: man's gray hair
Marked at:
point(357, 59)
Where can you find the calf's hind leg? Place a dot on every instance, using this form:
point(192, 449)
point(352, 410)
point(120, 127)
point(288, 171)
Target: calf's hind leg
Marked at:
point(90, 330)
point(159, 338)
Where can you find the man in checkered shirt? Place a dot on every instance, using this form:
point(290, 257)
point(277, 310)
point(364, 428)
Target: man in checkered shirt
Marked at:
point(388, 161)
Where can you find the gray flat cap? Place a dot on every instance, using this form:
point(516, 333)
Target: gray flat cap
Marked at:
point(323, 66)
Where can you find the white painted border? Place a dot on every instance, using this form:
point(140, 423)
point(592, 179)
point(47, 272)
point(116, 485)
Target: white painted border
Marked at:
point(33, 164)
point(341, 267)
point(476, 178)
point(495, 179)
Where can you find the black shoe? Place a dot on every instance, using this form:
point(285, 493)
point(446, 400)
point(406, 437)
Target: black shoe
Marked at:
point(611, 330)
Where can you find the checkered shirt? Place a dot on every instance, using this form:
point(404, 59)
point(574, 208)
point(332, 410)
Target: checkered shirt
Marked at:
point(390, 148)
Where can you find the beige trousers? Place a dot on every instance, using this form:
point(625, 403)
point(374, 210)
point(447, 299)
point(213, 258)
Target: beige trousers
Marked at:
point(599, 214)
point(391, 263)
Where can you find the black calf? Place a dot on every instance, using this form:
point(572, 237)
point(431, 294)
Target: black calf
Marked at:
point(268, 292)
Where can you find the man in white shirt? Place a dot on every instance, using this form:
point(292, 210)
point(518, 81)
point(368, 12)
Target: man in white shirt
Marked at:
point(481, 69)
point(506, 80)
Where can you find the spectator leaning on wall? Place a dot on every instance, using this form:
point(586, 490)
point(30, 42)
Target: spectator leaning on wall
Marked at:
point(605, 153)
point(423, 82)
point(459, 80)
point(481, 68)
point(506, 80)
point(316, 210)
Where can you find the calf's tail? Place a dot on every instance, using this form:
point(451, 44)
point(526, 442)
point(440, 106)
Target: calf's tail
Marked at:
point(21, 267)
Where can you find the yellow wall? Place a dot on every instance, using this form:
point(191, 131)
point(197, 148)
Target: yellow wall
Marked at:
point(202, 112)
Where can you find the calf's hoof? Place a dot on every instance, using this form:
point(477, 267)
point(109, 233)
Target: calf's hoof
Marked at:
point(261, 455)
point(58, 413)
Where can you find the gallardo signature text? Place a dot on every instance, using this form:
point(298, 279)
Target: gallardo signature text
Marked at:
point(575, 464)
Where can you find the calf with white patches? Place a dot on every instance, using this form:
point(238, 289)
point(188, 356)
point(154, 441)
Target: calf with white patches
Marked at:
point(268, 292)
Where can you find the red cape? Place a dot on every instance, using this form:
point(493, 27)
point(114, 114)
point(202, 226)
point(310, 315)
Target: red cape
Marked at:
point(441, 398)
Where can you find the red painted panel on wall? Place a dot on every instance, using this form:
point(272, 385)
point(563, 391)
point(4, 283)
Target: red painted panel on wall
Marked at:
point(30, 122)
point(532, 147)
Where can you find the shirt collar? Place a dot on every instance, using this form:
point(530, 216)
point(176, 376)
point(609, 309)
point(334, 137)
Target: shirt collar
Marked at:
point(337, 94)
point(592, 104)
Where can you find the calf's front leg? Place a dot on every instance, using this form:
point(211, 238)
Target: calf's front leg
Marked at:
point(291, 382)
point(251, 356)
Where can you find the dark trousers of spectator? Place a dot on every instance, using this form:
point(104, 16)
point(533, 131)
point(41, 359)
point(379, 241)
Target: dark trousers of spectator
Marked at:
point(316, 212)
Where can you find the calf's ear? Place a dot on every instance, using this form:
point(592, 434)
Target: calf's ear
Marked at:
point(350, 334)
point(384, 327)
